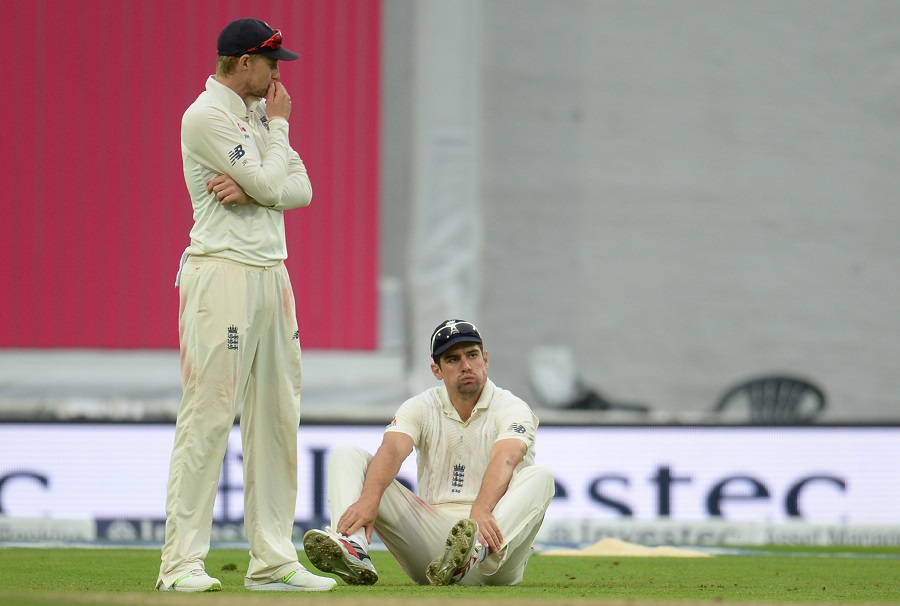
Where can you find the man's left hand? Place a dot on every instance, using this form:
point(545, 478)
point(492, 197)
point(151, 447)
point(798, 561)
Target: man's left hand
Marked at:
point(488, 531)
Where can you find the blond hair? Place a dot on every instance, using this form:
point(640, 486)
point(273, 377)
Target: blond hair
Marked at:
point(226, 65)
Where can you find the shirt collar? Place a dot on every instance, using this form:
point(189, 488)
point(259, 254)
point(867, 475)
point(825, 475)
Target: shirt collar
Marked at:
point(487, 394)
point(230, 99)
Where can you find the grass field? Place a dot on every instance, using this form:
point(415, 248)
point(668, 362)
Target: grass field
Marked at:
point(798, 575)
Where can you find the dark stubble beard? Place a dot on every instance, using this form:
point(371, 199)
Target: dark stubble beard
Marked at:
point(469, 389)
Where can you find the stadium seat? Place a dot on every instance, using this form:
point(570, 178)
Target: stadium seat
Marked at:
point(775, 400)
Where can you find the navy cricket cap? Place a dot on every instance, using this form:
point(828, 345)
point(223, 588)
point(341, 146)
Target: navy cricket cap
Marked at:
point(451, 332)
point(252, 37)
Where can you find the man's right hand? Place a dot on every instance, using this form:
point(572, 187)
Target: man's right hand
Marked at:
point(278, 101)
point(227, 191)
point(360, 515)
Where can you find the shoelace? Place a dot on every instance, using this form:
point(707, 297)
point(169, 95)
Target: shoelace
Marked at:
point(193, 573)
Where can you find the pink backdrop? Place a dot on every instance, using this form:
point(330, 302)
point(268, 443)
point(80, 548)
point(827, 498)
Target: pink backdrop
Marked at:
point(96, 213)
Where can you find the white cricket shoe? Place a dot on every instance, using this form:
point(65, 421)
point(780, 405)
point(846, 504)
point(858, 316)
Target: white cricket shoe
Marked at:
point(195, 581)
point(340, 555)
point(458, 558)
point(296, 580)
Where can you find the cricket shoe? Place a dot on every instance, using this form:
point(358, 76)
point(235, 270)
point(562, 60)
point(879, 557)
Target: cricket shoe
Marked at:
point(460, 556)
point(195, 581)
point(296, 580)
point(340, 555)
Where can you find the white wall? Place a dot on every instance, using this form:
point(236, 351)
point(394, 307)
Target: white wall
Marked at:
point(685, 193)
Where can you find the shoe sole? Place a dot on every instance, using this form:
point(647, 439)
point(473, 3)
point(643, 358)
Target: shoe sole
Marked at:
point(460, 547)
point(279, 586)
point(211, 588)
point(327, 556)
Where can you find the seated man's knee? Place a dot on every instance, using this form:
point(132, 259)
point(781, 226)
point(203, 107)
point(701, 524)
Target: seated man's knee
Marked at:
point(542, 480)
point(347, 455)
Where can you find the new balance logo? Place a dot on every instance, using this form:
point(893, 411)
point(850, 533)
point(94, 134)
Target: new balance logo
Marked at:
point(232, 338)
point(516, 427)
point(236, 154)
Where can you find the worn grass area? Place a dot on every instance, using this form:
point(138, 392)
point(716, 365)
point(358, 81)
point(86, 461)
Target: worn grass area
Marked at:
point(802, 575)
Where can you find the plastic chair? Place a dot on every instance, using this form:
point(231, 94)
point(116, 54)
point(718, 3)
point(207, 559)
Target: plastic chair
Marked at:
point(775, 400)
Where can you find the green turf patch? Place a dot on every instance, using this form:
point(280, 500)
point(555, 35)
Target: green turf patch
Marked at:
point(127, 576)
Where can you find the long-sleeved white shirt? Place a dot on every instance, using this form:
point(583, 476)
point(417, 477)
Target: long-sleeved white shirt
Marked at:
point(222, 135)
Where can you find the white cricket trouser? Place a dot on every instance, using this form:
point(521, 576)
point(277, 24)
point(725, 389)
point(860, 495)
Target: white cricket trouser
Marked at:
point(416, 532)
point(239, 343)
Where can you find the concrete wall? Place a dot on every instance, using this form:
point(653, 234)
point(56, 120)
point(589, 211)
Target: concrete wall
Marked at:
point(682, 193)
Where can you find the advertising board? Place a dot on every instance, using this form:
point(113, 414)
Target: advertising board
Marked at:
point(116, 475)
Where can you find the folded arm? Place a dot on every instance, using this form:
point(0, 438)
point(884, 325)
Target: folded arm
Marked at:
point(276, 179)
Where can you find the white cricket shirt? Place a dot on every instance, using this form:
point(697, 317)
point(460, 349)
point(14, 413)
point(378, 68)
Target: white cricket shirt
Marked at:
point(222, 135)
point(453, 456)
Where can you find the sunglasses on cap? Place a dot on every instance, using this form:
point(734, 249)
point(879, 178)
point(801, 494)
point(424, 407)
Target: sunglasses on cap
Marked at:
point(450, 332)
point(273, 43)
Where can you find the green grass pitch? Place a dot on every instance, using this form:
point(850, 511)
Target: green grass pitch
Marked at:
point(800, 575)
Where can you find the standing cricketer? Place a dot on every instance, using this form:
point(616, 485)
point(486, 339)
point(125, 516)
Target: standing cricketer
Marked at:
point(481, 499)
point(237, 321)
